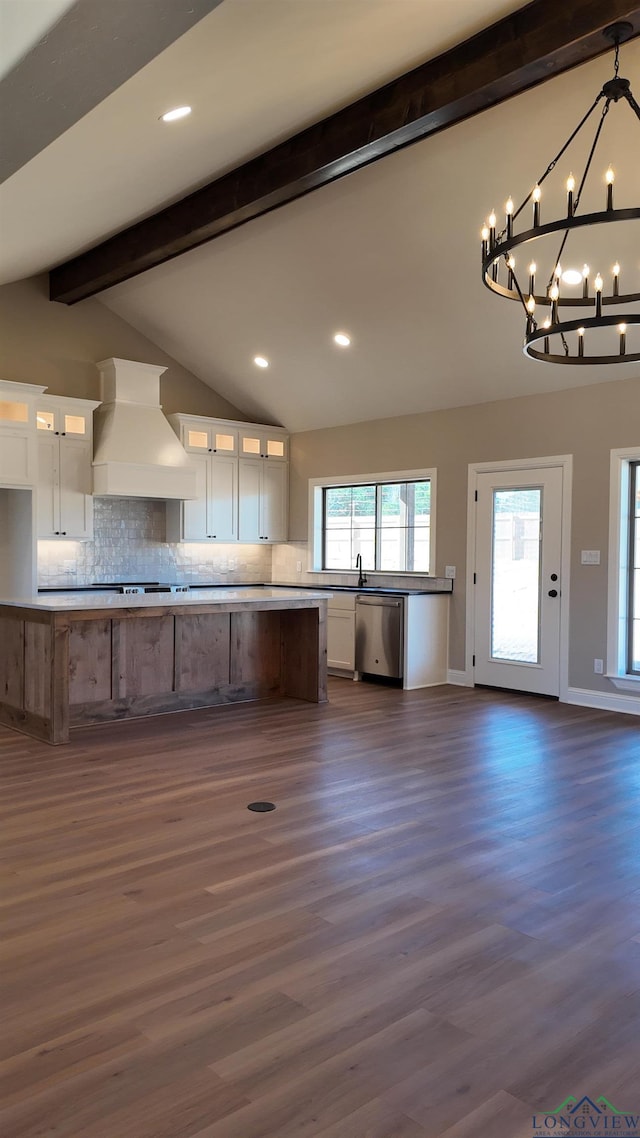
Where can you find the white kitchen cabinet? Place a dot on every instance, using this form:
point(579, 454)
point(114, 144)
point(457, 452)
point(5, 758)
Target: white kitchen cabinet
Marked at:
point(263, 442)
point(262, 500)
point(205, 436)
point(18, 450)
point(341, 632)
point(64, 437)
point(212, 515)
point(425, 637)
point(239, 498)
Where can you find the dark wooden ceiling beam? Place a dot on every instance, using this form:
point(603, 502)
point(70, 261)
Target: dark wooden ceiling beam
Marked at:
point(533, 44)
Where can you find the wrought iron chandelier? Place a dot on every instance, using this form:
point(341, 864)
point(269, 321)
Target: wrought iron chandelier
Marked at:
point(565, 337)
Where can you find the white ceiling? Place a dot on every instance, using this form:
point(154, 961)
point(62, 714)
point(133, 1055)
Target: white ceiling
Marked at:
point(22, 23)
point(391, 253)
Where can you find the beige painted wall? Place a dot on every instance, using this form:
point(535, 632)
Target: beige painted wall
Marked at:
point(586, 422)
point(48, 343)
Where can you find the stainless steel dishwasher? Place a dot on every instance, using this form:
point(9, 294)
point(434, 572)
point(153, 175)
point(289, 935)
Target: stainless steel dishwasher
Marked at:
point(380, 635)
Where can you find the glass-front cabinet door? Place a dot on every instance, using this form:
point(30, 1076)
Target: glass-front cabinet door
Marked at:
point(205, 437)
point(262, 443)
point(71, 421)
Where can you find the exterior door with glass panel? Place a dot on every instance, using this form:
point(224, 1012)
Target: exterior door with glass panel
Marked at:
point(517, 580)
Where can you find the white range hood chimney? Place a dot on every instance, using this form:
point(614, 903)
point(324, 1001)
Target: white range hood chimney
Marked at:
point(136, 452)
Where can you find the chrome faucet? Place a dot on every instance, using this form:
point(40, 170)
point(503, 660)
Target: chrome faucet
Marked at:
point(362, 580)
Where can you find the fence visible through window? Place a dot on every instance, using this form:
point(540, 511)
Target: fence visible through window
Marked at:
point(387, 523)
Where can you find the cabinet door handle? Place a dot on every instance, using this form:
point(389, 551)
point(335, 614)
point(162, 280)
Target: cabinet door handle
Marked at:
point(64, 533)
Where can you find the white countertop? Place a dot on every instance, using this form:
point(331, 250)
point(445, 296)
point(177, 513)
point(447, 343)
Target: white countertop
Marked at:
point(74, 602)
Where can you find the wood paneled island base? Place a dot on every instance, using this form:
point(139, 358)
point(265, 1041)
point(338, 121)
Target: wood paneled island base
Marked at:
point(114, 658)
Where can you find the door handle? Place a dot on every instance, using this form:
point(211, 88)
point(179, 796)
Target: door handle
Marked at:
point(553, 592)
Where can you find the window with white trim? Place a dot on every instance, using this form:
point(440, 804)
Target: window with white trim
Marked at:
point(633, 622)
point(386, 519)
point(623, 648)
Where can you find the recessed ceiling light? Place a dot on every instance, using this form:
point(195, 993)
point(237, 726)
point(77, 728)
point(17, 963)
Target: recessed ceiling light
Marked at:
point(572, 276)
point(176, 113)
point(260, 361)
point(342, 339)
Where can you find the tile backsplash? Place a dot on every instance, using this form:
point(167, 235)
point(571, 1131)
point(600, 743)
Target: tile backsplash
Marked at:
point(129, 544)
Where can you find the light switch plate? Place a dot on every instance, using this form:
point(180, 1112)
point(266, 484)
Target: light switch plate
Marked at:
point(590, 557)
point(450, 571)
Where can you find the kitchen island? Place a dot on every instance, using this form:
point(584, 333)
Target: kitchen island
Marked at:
point(75, 659)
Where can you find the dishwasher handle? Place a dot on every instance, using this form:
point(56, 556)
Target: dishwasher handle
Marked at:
point(387, 602)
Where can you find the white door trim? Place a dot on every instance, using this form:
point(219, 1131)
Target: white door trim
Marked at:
point(566, 462)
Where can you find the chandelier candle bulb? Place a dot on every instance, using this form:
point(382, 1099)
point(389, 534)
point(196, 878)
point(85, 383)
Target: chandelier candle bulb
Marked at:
point(484, 233)
point(616, 274)
point(585, 282)
point(546, 324)
point(509, 212)
point(532, 277)
point(622, 329)
point(492, 229)
point(536, 195)
point(609, 179)
point(511, 264)
point(571, 185)
point(580, 341)
point(597, 284)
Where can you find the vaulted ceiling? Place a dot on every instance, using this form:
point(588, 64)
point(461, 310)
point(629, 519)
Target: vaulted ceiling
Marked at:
point(389, 253)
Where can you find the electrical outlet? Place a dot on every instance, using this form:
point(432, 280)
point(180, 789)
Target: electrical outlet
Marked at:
point(450, 571)
point(232, 563)
point(298, 567)
point(598, 667)
point(590, 557)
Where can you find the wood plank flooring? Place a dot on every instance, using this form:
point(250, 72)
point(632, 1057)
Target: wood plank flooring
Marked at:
point(436, 934)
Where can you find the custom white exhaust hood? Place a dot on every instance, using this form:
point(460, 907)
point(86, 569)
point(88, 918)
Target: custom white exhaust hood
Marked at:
point(136, 452)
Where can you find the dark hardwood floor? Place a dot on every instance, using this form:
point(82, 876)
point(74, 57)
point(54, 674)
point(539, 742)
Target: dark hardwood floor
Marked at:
point(436, 934)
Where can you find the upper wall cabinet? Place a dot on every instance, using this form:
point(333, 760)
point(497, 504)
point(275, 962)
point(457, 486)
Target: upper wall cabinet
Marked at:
point(64, 429)
point(18, 450)
point(263, 442)
point(238, 499)
point(202, 436)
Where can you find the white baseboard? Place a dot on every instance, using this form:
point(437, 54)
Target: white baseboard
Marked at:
point(462, 679)
point(603, 701)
